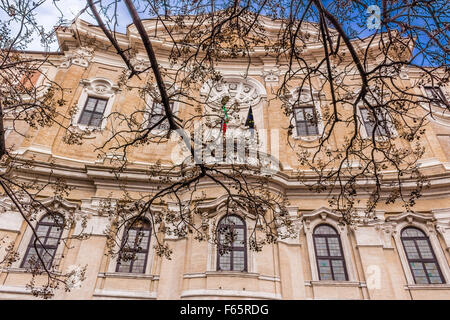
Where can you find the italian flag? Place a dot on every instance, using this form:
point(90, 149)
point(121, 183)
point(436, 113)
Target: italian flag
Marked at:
point(224, 102)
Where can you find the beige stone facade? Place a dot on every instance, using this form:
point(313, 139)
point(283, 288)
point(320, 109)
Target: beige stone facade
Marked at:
point(375, 259)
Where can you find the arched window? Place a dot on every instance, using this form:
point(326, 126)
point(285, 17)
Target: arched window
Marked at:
point(421, 258)
point(329, 255)
point(49, 230)
point(133, 255)
point(232, 248)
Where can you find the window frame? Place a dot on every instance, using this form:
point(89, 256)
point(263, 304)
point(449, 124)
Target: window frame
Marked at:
point(146, 251)
point(388, 129)
point(89, 124)
point(99, 88)
point(151, 114)
point(421, 259)
point(305, 122)
point(329, 257)
point(44, 240)
point(232, 249)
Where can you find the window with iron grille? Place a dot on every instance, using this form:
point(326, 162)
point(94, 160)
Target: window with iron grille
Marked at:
point(438, 97)
point(329, 255)
point(232, 247)
point(156, 114)
point(421, 257)
point(49, 230)
point(92, 114)
point(305, 121)
point(382, 128)
point(134, 251)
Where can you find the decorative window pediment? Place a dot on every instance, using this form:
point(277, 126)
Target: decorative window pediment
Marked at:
point(100, 86)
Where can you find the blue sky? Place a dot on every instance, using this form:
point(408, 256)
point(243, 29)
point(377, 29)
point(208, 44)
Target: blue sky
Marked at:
point(47, 15)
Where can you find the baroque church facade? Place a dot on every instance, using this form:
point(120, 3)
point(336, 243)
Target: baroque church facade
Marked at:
point(401, 255)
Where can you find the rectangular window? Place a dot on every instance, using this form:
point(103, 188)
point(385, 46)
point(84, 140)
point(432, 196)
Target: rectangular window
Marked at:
point(369, 123)
point(156, 114)
point(436, 93)
point(306, 121)
point(92, 114)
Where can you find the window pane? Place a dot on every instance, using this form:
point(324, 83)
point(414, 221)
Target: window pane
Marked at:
point(368, 120)
point(47, 256)
point(299, 114)
point(412, 232)
point(312, 128)
point(411, 250)
point(101, 104)
point(84, 119)
point(309, 114)
point(144, 237)
point(124, 266)
point(52, 242)
point(424, 248)
point(96, 120)
point(301, 129)
point(325, 270)
point(55, 232)
point(139, 263)
point(238, 233)
point(334, 247)
point(131, 239)
point(433, 272)
point(53, 219)
point(419, 272)
point(31, 258)
point(238, 261)
point(233, 220)
point(90, 105)
point(42, 230)
point(321, 247)
point(324, 229)
point(338, 270)
point(157, 109)
point(225, 261)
